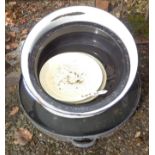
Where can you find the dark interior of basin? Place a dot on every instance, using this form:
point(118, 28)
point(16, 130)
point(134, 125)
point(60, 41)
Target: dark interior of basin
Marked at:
point(88, 43)
point(89, 38)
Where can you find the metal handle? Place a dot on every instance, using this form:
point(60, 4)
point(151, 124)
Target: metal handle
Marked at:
point(84, 142)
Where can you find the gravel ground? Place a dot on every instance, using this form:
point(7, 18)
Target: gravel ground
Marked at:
point(131, 139)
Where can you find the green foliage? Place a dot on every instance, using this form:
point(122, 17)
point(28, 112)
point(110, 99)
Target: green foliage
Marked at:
point(140, 27)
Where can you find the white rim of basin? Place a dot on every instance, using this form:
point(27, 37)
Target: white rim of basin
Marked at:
point(72, 77)
point(83, 14)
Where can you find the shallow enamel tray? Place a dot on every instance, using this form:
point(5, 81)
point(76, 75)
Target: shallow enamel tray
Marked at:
point(73, 77)
point(102, 124)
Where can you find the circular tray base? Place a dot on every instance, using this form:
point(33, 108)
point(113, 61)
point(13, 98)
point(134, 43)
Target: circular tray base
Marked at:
point(81, 132)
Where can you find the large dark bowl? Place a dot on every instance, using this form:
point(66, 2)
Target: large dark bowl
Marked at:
point(77, 29)
point(89, 30)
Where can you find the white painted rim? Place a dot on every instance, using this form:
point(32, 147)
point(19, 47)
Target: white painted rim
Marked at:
point(84, 14)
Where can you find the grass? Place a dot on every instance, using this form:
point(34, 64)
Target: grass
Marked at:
point(140, 27)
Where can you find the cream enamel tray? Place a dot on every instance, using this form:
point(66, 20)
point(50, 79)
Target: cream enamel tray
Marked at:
point(73, 77)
